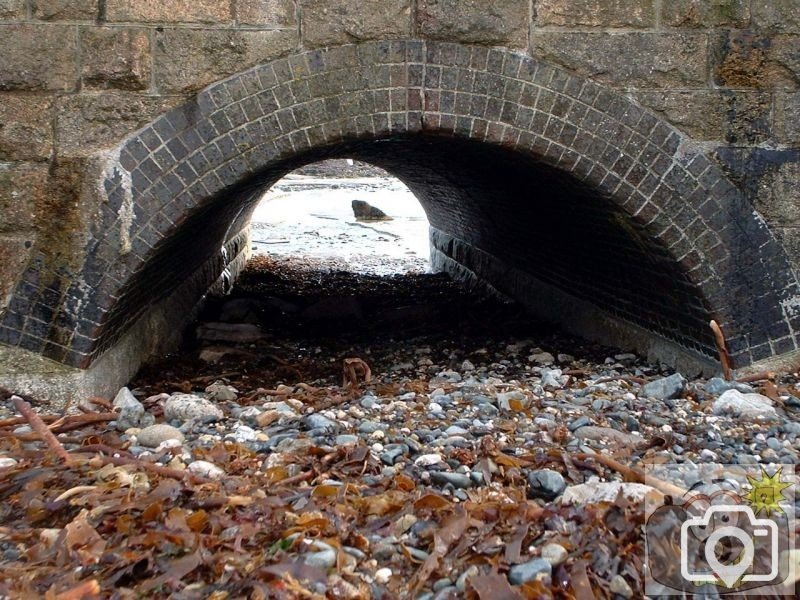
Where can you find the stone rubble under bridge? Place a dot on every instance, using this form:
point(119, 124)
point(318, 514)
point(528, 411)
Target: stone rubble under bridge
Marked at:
point(577, 160)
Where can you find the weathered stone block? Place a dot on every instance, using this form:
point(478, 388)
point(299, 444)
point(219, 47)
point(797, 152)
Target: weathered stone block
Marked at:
point(116, 57)
point(776, 15)
point(595, 13)
point(14, 253)
point(706, 13)
point(22, 188)
point(734, 117)
point(65, 10)
point(752, 60)
point(778, 195)
point(769, 178)
point(266, 12)
point(189, 59)
point(330, 22)
point(787, 117)
point(38, 57)
point(789, 237)
point(26, 127)
point(87, 122)
point(661, 59)
point(169, 11)
point(11, 10)
point(503, 22)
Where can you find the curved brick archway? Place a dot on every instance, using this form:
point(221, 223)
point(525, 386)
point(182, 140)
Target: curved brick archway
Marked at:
point(648, 201)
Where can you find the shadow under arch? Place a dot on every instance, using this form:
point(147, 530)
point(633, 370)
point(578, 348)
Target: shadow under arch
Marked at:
point(488, 139)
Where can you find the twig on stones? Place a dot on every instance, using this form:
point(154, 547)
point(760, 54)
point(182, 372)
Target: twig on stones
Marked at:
point(631, 474)
point(210, 378)
point(297, 478)
point(630, 378)
point(105, 449)
point(86, 405)
point(40, 428)
point(67, 405)
point(78, 421)
point(769, 375)
point(262, 392)
point(724, 357)
point(157, 469)
point(14, 421)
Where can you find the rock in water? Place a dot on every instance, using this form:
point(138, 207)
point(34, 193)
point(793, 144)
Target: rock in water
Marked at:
point(364, 211)
point(752, 406)
point(665, 388)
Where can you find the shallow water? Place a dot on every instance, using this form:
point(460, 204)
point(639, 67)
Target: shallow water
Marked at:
point(313, 217)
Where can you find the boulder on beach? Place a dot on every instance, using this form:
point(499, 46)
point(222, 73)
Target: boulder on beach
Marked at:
point(364, 211)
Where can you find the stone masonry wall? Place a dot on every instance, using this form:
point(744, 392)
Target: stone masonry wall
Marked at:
point(77, 76)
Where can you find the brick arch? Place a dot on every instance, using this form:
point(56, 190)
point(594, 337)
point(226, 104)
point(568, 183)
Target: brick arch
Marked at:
point(201, 166)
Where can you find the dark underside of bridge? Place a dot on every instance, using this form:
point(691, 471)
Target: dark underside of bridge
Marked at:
point(484, 203)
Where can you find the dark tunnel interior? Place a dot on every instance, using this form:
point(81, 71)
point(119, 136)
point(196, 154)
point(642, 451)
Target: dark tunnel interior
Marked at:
point(526, 214)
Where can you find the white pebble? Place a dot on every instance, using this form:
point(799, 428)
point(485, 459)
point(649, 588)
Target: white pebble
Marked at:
point(167, 444)
point(426, 460)
point(206, 469)
point(383, 575)
point(6, 462)
point(555, 554)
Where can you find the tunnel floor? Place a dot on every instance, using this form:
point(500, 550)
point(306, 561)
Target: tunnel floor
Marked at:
point(487, 453)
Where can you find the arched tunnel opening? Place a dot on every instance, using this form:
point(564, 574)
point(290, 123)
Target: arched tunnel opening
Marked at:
point(343, 212)
point(499, 221)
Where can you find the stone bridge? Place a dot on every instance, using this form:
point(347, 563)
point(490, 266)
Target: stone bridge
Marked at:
point(630, 168)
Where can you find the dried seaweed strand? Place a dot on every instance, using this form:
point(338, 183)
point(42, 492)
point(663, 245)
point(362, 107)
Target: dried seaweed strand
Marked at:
point(40, 428)
point(78, 421)
point(157, 469)
point(80, 591)
point(724, 357)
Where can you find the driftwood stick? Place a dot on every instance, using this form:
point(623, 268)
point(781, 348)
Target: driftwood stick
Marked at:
point(40, 428)
point(724, 357)
point(632, 474)
point(757, 377)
